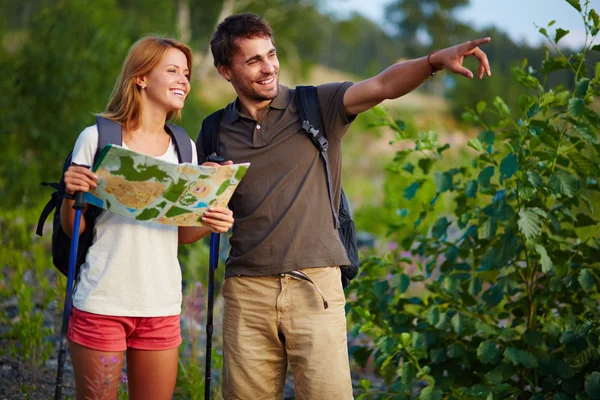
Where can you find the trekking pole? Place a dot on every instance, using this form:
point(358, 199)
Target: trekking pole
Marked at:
point(213, 264)
point(62, 352)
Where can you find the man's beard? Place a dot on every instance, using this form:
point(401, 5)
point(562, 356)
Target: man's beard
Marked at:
point(253, 94)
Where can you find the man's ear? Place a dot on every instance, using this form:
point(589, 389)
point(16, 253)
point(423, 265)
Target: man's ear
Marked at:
point(225, 72)
point(141, 81)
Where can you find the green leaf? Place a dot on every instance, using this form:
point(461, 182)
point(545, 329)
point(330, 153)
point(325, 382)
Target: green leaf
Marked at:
point(561, 396)
point(380, 111)
point(581, 87)
point(587, 133)
point(501, 106)
point(487, 230)
point(365, 384)
point(475, 144)
point(576, 107)
point(547, 98)
point(524, 102)
point(560, 33)
point(475, 287)
point(439, 227)
point(530, 223)
point(454, 350)
point(493, 296)
point(458, 323)
point(575, 4)
point(594, 18)
point(582, 164)
point(487, 352)
point(585, 279)
point(584, 220)
point(487, 137)
point(564, 183)
point(452, 285)
point(438, 355)
point(443, 181)
point(408, 373)
point(554, 64)
point(528, 359)
point(596, 48)
point(535, 179)
point(401, 282)
point(592, 385)
point(509, 165)
point(485, 176)
point(433, 316)
point(429, 393)
point(527, 192)
point(411, 191)
point(512, 355)
point(471, 189)
point(425, 164)
point(546, 262)
point(481, 107)
point(516, 356)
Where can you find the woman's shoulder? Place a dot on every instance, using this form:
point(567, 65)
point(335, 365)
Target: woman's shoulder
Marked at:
point(89, 133)
point(86, 146)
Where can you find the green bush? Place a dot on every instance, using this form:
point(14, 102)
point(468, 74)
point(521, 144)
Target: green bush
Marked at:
point(498, 298)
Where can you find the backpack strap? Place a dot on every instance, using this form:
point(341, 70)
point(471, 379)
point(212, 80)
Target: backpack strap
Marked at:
point(208, 137)
point(183, 144)
point(109, 132)
point(312, 122)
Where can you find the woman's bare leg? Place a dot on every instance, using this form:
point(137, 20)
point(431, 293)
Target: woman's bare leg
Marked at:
point(97, 373)
point(151, 374)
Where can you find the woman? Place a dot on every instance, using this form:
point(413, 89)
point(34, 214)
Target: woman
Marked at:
point(128, 295)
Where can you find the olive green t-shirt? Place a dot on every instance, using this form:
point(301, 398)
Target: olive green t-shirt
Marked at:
point(283, 219)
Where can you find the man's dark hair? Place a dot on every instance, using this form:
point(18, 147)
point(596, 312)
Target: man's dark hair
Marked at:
point(238, 26)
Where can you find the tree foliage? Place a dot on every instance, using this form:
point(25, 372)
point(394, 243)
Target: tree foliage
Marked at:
point(499, 299)
point(433, 19)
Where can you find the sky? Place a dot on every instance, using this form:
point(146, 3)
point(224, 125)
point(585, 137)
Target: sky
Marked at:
point(516, 17)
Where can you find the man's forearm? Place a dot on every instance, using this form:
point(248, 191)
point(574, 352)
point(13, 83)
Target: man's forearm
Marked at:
point(404, 77)
point(395, 81)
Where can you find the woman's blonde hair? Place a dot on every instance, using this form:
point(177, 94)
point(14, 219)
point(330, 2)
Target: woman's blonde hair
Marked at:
point(125, 106)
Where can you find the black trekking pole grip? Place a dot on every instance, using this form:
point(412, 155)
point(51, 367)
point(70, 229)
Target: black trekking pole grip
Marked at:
point(79, 205)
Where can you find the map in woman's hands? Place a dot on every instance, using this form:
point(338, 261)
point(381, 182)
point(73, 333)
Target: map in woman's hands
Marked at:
point(145, 188)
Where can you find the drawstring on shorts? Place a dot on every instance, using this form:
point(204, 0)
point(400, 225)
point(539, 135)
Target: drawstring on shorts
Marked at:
point(301, 275)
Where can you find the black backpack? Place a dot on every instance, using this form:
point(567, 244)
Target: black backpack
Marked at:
point(109, 132)
point(310, 113)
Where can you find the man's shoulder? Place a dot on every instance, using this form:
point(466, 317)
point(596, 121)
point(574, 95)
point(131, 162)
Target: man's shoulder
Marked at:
point(331, 88)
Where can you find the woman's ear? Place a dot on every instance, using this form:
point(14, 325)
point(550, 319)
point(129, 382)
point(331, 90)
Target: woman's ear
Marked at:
point(141, 81)
point(224, 72)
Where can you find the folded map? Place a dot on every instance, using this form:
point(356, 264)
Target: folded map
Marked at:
point(145, 188)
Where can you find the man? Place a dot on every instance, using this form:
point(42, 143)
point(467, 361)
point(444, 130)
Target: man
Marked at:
point(284, 300)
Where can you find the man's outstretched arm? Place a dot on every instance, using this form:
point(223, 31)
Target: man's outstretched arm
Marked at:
point(404, 77)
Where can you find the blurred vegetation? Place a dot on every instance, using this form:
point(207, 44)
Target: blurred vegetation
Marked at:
point(60, 60)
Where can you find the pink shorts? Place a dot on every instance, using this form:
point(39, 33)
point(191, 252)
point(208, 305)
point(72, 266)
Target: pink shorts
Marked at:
point(113, 333)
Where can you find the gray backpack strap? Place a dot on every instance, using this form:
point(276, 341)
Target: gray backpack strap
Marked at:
point(312, 122)
point(109, 132)
point(183, 143)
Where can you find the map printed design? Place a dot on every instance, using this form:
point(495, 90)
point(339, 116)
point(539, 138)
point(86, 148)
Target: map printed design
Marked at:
point(145, 188)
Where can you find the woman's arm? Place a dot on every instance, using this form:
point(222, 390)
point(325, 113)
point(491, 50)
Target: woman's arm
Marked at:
point(77, 179)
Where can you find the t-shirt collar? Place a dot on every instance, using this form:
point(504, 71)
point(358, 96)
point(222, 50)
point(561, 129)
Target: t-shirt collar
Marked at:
point(280, 102)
